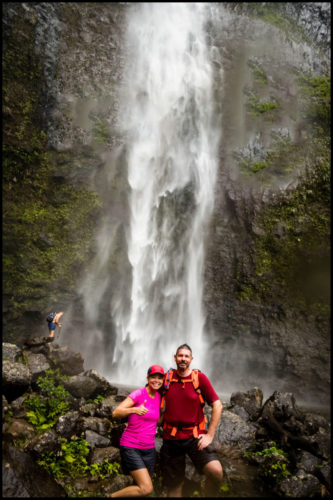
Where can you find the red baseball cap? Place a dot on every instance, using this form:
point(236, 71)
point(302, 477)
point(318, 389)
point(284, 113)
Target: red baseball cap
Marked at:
point(155, 369)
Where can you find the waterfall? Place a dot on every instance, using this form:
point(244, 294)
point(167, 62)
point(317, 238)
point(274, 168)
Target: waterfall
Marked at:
point(167, 117)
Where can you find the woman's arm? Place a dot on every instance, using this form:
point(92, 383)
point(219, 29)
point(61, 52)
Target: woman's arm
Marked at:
point(126, 408)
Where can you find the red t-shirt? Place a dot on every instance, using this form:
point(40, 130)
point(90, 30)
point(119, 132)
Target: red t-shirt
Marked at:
point(182, 405)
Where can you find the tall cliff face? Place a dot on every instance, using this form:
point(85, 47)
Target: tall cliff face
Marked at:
point(267, 273)
point(266, 302)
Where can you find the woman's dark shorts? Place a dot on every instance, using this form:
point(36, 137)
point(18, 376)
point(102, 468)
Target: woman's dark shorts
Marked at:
point(135, 458)
point(173, 459)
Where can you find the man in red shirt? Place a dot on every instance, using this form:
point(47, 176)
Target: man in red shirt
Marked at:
point(184, 432)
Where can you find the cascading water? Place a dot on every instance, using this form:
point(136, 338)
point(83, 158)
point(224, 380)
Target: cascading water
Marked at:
point(171, 136)
point(168, 119)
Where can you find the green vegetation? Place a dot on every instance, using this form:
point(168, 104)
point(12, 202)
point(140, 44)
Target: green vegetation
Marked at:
point(259, 74)
point(291, 257)
point(291, 253)
point(275, 464)
point(256, 107)
point(45, 410)
point(274, 13)
point(48, 220)
point(316, 99)
point(100, 130)
point(71, 460)
point(266, 452)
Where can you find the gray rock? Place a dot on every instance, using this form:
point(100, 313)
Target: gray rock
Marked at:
point(10, 351)
point(19, 429)
point(106, 407)
point(240, 411)
point(103, 385)
point(251, 401)
point(16, 379)
point(44, 443)
point(81, 387)
point(233, 430)
point(99, 425)
point(307, 462)
point(282, 404)
point(109, 453)
point(301, 485)
point(70, 363)
point(22, 478)
point(66, 424)
point(37, 364)
point(119, 483)
point(96, 440)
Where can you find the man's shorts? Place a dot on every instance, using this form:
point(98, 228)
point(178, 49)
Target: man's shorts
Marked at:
point(136, 458)
point(52, 326)
point(173, 459)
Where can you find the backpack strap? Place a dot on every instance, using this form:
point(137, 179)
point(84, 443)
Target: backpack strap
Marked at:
point(168, 378)
point(195, 382)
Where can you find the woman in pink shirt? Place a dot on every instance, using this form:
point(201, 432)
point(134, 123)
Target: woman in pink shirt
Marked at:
point(137, 443)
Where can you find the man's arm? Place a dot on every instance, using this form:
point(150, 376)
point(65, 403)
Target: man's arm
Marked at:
point(206, 439)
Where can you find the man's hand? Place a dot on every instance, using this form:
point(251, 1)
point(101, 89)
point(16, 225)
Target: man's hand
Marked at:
point(203, 441)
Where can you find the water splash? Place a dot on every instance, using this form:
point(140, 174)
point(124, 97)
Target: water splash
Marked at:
point(172, 137)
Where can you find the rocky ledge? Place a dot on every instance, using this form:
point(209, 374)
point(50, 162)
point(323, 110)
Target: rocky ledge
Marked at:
point(59, 438)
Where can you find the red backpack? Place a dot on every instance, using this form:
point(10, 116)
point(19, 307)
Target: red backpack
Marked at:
point(172, 376)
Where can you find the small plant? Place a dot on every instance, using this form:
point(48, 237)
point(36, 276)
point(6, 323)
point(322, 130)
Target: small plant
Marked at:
point(97, 399)
point(70, 460)
point(266, 452)
point(275, 462)
point(224, 488)
point(45, 410)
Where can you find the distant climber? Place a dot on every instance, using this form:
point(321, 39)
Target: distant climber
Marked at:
point(53, 322)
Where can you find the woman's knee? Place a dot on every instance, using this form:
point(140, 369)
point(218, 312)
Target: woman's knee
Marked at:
point(146, 488)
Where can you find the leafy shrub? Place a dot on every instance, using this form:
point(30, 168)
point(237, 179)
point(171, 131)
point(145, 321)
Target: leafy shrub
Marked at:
point(71, 460)
point(45, 410)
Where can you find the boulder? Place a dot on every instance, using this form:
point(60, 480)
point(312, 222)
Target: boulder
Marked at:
point(18, 429)
point(16, 379)
point(81, 386)
point(17, 407)
point(307, 462)
point(66, 424)
point(106, 407)
point(119, 482)
point(37, 345)
point(99, 425)
point(282, 405)
point(44, 443)
point(10, 352)
point(233, 430)
point(69, 362)
point(300, 485)
point(103, 385)
point(37, 364)
point(96, 440)
point(23, 478)
point(251, 401)
point(109, 453)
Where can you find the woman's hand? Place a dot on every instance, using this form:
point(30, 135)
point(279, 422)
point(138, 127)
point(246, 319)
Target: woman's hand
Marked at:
point(140, 410)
